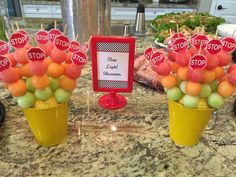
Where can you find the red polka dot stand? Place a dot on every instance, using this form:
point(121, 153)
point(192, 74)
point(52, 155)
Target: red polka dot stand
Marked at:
point(112, 67)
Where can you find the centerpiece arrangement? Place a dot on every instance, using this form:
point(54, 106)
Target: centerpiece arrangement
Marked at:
point(196, 76)
point(41, 76)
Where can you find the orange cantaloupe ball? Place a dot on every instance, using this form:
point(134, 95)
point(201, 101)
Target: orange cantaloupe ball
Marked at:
point(193, 88)
point(169, 81)
point(182, 73)
point(17, 88)
point(67, 83)
point(209, 76)
point(40, 82)
point(225, 89)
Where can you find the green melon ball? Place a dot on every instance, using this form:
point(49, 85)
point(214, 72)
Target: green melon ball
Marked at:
point(54, 83)
point(190, 101)
point(182, 86)
point(215, 100)
point(26, 101)
point(44, 94)
point(206, 91)
point(214, 86)
point(62, 96)
point(29, 85)
point(174, 94)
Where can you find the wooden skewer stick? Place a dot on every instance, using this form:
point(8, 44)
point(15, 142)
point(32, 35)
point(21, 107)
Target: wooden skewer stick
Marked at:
point(41, 26)
point(170, 32)
point(33, 40)
point(55, 24)
point(13, 28)
point(226, 33)
point(76, 37)
point(234, 32)
point(178, 29)
point(200, 49)
point(17, 25)
point(203, 29)
point(65, 29)
point(216, 33)
point(89, 39)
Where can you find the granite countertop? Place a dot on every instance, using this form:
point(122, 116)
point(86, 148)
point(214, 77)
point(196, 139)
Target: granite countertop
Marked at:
point(140, 146)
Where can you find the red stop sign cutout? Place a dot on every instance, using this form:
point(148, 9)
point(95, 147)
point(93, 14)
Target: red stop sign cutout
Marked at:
point(18, 40)
point(36, 54)
point(173, 39)
point(85, 47)
point(229, 44)
point(52, 34)
point(4, 63)
point(79, 58)
point(74, 46)
point(42, 37)
point(148, 53)
point(4, 47)
point(198, 62)
point(180, 44)
point(192, 38)
point(200, 40)
point(25, 34)
point(62, 42)
point(214, 46)
point(157, 58)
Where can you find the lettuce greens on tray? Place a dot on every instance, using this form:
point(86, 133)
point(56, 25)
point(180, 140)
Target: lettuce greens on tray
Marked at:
point(163, 23)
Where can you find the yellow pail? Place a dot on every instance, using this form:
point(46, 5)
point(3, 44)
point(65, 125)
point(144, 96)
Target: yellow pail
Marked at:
point(48, 125)
point(186, 125)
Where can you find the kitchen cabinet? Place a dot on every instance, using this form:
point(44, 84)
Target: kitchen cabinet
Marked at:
point(41, 11)
point(127, 13)
point(225, 9)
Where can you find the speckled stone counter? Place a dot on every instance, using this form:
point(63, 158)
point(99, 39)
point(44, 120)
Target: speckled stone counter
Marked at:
point(140, 147)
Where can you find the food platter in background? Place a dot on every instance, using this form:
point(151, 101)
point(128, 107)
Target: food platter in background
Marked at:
point(189, 24)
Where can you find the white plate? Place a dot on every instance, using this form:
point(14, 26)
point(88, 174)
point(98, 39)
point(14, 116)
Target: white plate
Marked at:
point(227, 29)
point(160, 44)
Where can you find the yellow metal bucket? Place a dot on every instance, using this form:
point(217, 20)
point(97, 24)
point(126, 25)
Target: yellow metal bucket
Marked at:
point(186, 125)
point(48, 125)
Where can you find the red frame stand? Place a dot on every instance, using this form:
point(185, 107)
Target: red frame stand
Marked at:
point(112, 100)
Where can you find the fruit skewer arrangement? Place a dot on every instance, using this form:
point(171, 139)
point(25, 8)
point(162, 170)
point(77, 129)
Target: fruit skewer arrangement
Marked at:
point(196, 72)
point(43, 73)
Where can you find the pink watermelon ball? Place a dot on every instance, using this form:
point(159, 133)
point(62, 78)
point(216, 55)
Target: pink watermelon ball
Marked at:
point(68, 57)
point(203, 52)
point(182, 58)
point(72, 71)
point(27, 46)
point(212, 61)
point(192, 50)
point(10, 75)
point(45, 48)
point(232, 77)
point(20, 56)
point(38, 68)
point(224, 58)
point(195, 75)
point(172, 55)
point(163, 68)
point(58, 56)
point(11, 59)
point(232, 68)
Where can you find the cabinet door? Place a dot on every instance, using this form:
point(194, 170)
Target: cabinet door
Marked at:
point(120, 13)
point(37, 11)
point(225, 9)
point(151, 13)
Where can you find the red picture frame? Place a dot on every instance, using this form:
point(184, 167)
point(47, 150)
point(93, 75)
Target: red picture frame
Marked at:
point(127, 86)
